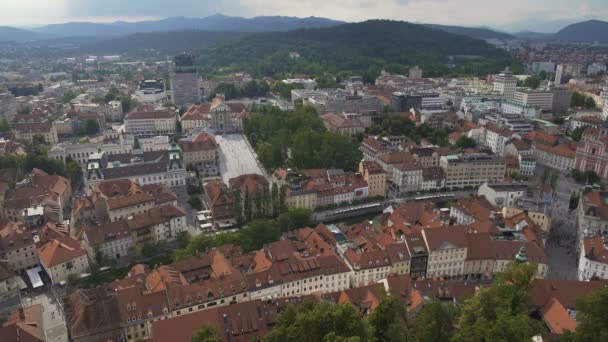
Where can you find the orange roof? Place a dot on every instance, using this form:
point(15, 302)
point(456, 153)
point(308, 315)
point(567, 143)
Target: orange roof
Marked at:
point(60, 250)
point(557, 317)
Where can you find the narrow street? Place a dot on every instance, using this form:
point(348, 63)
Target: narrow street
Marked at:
point(562, 239)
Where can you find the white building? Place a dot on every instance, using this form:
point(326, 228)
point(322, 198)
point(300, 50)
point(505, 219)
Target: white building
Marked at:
point(540, 98)
point(502, 194)
point(152, 123)
point(505, 83)
point(593, 258)
point(447, 248)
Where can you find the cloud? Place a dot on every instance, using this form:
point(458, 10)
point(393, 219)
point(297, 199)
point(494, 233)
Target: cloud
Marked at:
point(513, 15)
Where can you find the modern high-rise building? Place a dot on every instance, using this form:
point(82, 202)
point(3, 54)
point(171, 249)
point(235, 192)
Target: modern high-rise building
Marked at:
point(415, 72)
point(559, 73)
point(185, 82)
point(561, 99)
point(505, 83)
point(542, 98)
point(8, 106)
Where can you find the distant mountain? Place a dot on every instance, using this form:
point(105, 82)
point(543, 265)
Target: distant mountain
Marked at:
point(586, 31)
point(362, 48)
point(533, 35)
point(473, 32)
point(166, 42)
point(20, 35)
point(216, 22)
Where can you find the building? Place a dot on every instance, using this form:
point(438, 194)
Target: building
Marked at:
point(150, 123)
point(502, 194)
point(527, 164)
point(27, 132)
point(39, 189)
point(62, 256)
point(559, 74)
point(375, 177)
point(592, 214)
point(562, 97)
point(115, 239)
point(18, 247)
point(505, 83)
point(91, 315)
point(112, 110)
point(218, 116)
point(201, 154)
point(542, 98)
point(472, 170)
point(585, 121)
point(24, 324)
point(506, 252)
point(415, 72)
point(433, 178)
point(150, 92)
point(143, 168)
point(402, 102)
point(340, 125)
point(447, 247)
point(495, 138)
point(561, 157)
point(337, 101)
point(219, 199)
point(80, 152)
point(479, 263)
point(185, 82)
point(591, 153)
point(8, 106)
point(593, 258)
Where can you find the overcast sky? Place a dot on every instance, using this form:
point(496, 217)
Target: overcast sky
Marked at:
point(513, 15)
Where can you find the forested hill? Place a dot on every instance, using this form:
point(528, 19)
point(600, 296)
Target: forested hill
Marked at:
point(358, 48)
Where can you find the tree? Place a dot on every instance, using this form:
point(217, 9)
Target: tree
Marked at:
point(68, 96)
point(195, 202)
point(183, 238)
point(532, 82)
point(589, 103)
point(435, 322)
point(72, 279)
point(4, 127)
point(500, 312)
point(592, 317)
point(73, 171)
point(313, 322)
point(207, 333)
point(91, 126)
point(293, 219)
point(388, 320)
point(464, 142)
point(577, 133)
point(248, 210)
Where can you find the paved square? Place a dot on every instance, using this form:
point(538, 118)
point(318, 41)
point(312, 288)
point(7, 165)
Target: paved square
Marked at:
point(236, 158)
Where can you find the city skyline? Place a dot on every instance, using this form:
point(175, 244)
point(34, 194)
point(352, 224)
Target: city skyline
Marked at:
point(541, 16)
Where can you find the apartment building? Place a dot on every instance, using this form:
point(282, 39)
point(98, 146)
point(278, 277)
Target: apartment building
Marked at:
point(593, 259)
point(341, 125)
point(502, 194)
point(472, 170)
point(508, 251)
point(542, 98)
point(18, 246)
point(592, 214)
point(185, 82)
point(447, 247)
point(479, 263)
point(27, 132)
point(375, 177)
point(112, 111)
point(62, 256)
point(561, 156)
point(80, 152)
point(201, 153)
point(150, 123)
point(505, 83)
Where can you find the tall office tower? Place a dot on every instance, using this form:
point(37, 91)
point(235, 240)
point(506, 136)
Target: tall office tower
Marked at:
point(416, 72)
point(505, 83)
point(559, 73)
point(185, 82)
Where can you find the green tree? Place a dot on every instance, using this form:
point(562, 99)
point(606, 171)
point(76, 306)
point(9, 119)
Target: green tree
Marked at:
point(592, 317)
point(91, 126)
point(464, 142)
point(589, 103)
point(238, 207)
point(388, 320)
point(247, 206)
point(68, 96)
point(113, 94)
point(533, 82)
point(435, 322)
point(195, 202)
point(294, 219)
point(501, 311)
point(183, 239)
point(577, 133)
point(207, 333)
point(73, 172)
point(313, 322)
point(4, 127)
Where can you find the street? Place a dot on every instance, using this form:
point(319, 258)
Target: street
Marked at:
point(562, 239)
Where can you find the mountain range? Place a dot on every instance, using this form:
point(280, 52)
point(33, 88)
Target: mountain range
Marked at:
point(592, 30)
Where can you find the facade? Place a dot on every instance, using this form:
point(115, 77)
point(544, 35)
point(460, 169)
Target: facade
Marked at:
point(185, 82)
point(527, 165)
point(507, 250)
point(592, 214)
point(112, 111)
point(150, 123)
point(561, 157)
point(505, 83)
point(472, 170)
point(593, 259)
point(218, 116)
point(562, 97)
point(340, 125)
point(375, 177)
point(591, 153)
point(27, 132)
point(201, 153)
point(220, 200)
point(18, 247)
point(61, 257)
point(447, 248)
point(144, 168)
point(542, 98)
point(8, 106)
point(80, 152)
point(415, 72)
point(502, 194)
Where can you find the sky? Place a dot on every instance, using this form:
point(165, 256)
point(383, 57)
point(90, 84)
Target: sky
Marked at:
point(512, 15)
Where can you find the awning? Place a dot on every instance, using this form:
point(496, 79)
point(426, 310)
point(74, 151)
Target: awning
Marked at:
point(35, 277)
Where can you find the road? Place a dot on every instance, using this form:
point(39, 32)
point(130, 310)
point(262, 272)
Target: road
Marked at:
point(562, 239)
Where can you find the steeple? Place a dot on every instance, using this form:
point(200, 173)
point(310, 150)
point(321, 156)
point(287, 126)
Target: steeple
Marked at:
point(521, 256)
